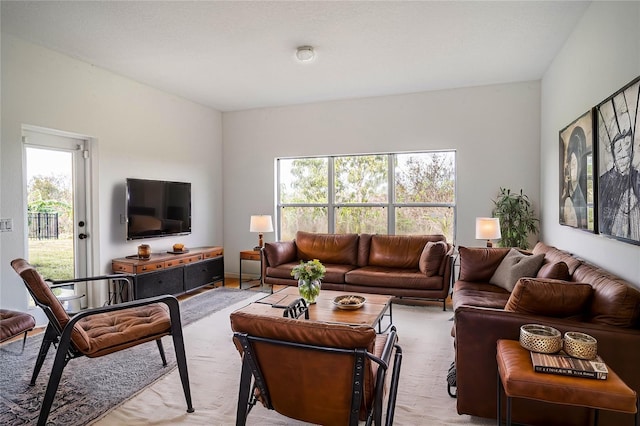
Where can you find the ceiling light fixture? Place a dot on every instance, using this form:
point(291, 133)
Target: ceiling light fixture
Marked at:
point(305, 53)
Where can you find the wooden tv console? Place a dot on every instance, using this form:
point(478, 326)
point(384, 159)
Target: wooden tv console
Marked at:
point(172, 273)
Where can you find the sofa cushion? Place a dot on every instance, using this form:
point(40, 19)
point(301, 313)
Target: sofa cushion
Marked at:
point(478, 294)
point(555, 271)
point(431, 258)
point(328, 248)
point(382, 277)
point(282, 252)
point(615, 301)
point(515, 265)
point(479, 263)
point(552, 254)
point(399, 251)
point(548, 297)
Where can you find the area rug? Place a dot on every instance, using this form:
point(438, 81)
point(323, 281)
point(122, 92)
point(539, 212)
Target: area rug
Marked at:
point(90, 387)
point(214, 365)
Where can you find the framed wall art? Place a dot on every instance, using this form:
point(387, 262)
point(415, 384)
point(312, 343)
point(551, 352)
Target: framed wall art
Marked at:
point(577, 204)
point(619, 164)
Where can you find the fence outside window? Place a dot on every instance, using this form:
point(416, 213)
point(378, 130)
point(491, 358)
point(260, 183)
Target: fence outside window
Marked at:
point(43, 225)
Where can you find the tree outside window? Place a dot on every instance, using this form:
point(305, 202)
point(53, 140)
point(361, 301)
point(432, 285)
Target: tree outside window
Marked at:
point(403, 193)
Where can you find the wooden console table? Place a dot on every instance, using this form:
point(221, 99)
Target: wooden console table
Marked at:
point(169, 273)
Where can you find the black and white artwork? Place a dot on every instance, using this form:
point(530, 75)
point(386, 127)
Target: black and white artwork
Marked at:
point(576, 174)
point(619, 165)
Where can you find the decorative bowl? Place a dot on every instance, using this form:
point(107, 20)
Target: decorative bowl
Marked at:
point(540, 338)
point(580, 345)
point(349, 302)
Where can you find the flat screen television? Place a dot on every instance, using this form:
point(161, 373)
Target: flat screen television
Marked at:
point(157, 208)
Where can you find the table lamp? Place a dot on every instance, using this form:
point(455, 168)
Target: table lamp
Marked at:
point(260, 224)
point(488, 228)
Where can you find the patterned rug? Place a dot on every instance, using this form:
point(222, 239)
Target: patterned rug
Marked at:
point(90, 387)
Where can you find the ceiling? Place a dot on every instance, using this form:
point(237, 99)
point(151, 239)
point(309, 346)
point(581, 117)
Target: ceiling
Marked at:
point(237, 55)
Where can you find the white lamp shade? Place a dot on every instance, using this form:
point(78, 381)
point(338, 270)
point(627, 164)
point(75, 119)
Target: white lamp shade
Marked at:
point(487, 228)
point(261, 223)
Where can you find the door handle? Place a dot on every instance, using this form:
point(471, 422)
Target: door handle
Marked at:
point(83, 236)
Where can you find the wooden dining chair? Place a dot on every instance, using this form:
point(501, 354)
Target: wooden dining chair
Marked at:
point(101, 331)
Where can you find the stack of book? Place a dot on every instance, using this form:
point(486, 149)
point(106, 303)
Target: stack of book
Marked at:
point(561, 363)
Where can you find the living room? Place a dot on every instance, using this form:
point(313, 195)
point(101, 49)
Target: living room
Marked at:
point(505, 135)
point(143, 132)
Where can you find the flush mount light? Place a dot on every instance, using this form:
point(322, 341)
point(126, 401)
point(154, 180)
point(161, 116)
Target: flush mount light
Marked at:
point(305, 53)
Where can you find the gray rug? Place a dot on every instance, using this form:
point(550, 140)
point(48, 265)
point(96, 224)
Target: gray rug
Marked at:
point(89, 387)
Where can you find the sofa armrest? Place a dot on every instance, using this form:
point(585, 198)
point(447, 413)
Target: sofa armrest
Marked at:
point(279, 252)
point(478, 329)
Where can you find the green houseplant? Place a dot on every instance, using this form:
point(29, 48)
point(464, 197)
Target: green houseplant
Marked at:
point(517, 218)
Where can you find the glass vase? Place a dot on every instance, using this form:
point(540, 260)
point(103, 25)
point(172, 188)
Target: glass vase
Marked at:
point(309, 290)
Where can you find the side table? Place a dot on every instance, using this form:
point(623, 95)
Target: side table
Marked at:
point(251, 255)
point(517, 379)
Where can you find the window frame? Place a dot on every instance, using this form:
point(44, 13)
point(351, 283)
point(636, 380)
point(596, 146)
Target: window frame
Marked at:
point(391, 205)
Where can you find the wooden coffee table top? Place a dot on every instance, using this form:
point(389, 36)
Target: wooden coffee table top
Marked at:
point(324, 310)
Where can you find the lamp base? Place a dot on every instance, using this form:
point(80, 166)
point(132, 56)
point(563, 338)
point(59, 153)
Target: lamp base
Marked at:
point(489, 243)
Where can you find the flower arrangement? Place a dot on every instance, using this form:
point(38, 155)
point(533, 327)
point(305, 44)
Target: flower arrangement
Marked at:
point(309, 271)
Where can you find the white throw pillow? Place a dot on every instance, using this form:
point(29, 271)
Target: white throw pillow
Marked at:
point(514, 266)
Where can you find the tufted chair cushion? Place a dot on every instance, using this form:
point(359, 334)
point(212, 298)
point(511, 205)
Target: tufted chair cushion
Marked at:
point(114, 331)
point(13, 323)
point(101, 334)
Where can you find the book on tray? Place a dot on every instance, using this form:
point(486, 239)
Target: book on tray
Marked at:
point(561, 363)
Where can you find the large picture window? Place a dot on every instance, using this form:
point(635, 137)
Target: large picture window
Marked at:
point(394, 193)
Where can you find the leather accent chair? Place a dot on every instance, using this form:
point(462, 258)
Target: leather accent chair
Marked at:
point(101, 331)
point(322, 373)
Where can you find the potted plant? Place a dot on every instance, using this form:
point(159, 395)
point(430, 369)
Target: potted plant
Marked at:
point(517, 218)
point(309, 275)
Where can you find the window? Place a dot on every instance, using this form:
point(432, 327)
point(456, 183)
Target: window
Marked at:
point(396, 193)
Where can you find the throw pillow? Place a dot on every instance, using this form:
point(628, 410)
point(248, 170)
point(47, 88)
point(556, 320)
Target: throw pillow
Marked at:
point(555, 271)
point(516, 265)
point(431, 258)
point(552, 298)
point(477, 264)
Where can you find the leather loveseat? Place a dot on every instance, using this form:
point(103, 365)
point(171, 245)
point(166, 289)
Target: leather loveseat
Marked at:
point(567, 294)
point(412, 266)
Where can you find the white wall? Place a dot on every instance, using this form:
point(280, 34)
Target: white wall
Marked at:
point(495, 130)
point(140, 132)
point(600, 57)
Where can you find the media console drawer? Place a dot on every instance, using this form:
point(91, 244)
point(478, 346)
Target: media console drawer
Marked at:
point(165, 273)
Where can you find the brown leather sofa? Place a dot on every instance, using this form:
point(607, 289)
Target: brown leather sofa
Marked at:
point(412, 266)
point(484, 313)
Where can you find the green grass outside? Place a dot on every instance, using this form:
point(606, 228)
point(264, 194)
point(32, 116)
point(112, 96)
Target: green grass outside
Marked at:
point(52, 258)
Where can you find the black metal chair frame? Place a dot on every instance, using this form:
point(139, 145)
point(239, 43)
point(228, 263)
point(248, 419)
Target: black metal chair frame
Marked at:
point(251, 372)
point(61, 337)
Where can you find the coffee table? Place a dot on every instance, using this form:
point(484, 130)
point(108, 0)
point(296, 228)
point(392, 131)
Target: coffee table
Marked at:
point(376, 307)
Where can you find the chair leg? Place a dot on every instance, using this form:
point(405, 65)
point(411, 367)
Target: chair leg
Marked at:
point(162, 355)
point(243, 393)
point(50, 336)
point(178, 344)
point(54, 380)
point(393, 389)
